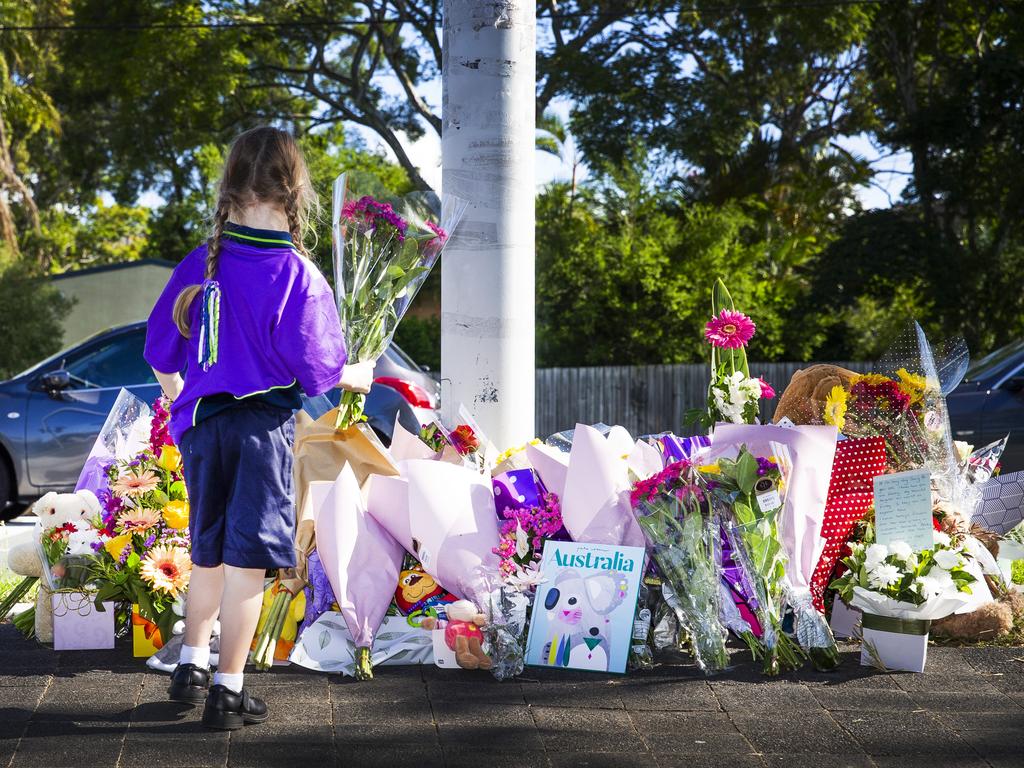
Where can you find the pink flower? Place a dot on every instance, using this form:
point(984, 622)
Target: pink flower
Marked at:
point(766, 390)
point(729, 330)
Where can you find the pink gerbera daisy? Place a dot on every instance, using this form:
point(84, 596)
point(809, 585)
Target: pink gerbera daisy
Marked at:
point(730, 330)
point(767, 391)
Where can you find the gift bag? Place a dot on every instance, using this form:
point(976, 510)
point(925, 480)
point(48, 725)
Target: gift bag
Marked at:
point(146, 638)
point(320, 453)
point(78, 625)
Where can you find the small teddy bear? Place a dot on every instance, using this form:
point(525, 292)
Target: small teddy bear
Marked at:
point(462, 634)
point(53, 510)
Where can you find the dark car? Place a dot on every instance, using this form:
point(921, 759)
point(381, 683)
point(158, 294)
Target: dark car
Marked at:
point(51, 414)
point(990, 403)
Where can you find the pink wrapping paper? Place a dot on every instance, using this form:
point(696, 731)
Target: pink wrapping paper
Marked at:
point(454, 527)
point(388, 504)
point(809, 451)
point(551, 464)
point(595, 504)
point(405, 446)
point(361, 559)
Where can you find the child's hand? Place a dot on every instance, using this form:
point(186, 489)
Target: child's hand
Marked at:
point(358, 377)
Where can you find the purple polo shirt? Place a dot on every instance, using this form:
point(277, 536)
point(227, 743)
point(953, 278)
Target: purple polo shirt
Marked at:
point(279, 325)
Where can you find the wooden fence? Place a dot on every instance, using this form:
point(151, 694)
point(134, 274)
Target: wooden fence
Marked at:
point(643, 399)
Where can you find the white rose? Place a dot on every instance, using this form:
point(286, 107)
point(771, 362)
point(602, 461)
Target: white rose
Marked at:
point(876, 554)
point(963, 450)
point(901, 549)
point(940, 538)
point(947, 558)
point(884, 575)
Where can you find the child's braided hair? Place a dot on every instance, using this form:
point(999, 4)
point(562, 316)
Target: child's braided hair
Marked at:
point(264, 165)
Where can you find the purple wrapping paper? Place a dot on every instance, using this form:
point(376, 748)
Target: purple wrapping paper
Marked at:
point(675, 448)
point(518, 489)
point(319, 594)
point(740, 588)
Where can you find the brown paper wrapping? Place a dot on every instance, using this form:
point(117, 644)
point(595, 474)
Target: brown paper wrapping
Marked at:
point(321, 452)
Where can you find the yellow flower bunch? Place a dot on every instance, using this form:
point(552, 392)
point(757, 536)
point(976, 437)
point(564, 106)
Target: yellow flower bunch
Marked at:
point(913, 385)
point(510, 452)
point(710, 469)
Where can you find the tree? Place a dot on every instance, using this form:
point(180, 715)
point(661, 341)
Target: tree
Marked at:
point(946, 81)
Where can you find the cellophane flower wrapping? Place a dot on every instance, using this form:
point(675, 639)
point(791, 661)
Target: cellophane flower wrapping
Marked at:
point(382, 253)
point(904, 401)
point(804, 456)
point(672, 512)
point(748, 495)
point(506, 631)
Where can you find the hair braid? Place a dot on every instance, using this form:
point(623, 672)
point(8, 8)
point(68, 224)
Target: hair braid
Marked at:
point(183, 304)
point(291, 209)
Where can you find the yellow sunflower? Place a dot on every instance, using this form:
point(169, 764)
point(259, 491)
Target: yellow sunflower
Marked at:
point(137, 520)
point(835, 408)
point(167, 569)
point(176, 514)
point(912, 385)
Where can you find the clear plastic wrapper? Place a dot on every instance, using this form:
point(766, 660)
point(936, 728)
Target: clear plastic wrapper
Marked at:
point(681, 539)
point(641, 655)
point(506, 631)
point(124, 434)
point(382, 253)
point(748, 494)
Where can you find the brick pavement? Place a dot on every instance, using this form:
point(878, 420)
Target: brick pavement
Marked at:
point(87, 709)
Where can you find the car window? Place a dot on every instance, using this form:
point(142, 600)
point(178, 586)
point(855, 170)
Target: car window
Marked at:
point(117, 362)
point(397, 355)
point(997, 363)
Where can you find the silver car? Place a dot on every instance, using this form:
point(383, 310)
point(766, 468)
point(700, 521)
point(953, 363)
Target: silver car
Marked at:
point(51, 414)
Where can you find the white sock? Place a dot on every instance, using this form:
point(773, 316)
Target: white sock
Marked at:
point(231, 682)
point(191, 654)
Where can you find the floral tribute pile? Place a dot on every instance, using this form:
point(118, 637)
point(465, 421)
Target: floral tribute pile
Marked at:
point(751, 531)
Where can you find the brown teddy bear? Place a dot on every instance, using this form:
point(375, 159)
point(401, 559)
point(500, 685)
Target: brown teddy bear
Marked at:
point(990, 620)
point(803, 402)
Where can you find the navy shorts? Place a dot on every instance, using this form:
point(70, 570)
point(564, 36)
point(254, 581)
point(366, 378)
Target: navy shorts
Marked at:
point(238, 471)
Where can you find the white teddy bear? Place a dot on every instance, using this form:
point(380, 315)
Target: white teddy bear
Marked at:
point(54, 510)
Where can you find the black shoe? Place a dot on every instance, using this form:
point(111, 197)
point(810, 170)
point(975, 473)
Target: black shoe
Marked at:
point(227, 711)
point(189, 684)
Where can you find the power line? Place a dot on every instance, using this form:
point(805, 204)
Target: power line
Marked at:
point(370, 21)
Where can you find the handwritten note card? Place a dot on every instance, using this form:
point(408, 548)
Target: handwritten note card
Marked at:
point(903, 508)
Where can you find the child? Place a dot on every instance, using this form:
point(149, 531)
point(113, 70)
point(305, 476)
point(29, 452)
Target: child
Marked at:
point(252, 322)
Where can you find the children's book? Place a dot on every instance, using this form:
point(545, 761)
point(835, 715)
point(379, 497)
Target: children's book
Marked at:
point(583, 613)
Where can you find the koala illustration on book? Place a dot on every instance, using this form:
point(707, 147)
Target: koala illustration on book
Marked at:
point(578, 609)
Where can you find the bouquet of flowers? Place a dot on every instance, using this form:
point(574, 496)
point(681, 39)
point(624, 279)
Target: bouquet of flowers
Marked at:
point(748, 492)
point(526, 526)
point(900, 592)
point(733, 395)
point(381, 258)
point(898, 573)
point(673, 514)
point(143, 553)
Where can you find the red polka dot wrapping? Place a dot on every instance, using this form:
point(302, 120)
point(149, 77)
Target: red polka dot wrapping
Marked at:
point(850, 493)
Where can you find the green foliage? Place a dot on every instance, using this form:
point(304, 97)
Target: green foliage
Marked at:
point(420, 338)
point(30, 320)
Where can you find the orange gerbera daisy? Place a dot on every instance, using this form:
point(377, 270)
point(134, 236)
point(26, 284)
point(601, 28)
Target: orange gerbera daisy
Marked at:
point(131, 484)
point(166, 568)
point(137, 520)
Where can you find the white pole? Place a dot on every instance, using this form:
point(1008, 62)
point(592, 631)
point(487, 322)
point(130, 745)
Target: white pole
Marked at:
point(487, 271)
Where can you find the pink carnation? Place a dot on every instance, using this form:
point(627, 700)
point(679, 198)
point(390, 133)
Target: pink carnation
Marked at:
point(729, 330)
